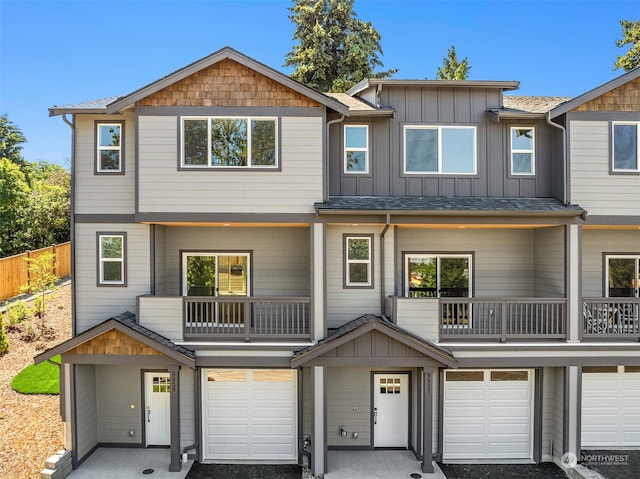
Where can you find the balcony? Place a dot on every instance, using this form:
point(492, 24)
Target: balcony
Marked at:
point(461, 319)
point(227, 318)
point(617, 318)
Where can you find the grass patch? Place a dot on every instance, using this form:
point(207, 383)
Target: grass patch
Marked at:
point(42, 378)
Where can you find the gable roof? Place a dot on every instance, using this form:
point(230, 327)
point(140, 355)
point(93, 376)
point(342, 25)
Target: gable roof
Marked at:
point(526, 107)
point(125, 323)
point(223, 54)
point(595, 93)
point(364, 325)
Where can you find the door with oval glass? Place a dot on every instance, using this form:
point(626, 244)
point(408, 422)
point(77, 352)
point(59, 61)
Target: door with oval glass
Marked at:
point(157, 419)
point(391, 410)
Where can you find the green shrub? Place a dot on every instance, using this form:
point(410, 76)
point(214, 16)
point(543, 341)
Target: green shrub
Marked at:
point(4, 341)
point(17, 313)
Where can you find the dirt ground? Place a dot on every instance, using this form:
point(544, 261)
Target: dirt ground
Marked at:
point(30, 426)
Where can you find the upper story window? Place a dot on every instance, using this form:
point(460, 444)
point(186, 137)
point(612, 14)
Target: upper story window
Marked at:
point(358, 261)
point(625, 147)
point(356, 149)
point(111, 259)
point(440, 149)
point(109, 158)
point(238, 142)
point(522, 150)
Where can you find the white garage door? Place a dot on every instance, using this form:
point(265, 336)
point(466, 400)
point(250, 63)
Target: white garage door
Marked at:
point(249, 414)
point(488, 415)
point(610, 406)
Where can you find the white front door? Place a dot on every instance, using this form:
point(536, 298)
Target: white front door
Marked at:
point(391, 410)
point(157, 417)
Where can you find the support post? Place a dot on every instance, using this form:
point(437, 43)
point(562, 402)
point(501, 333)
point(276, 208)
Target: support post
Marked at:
point(319, 443)
point(427, 420)
point(174, 406)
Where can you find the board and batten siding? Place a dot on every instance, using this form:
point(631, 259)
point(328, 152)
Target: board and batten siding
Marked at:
point(163, 188)
point(595, 244)
point(346, 304)
point(86, 425)
point(592, 185)
point(103, 193)
point(117, 388)
point(280, 260)
point(95, 304)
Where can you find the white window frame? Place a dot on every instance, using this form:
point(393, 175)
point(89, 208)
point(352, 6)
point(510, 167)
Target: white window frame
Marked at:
point(530, 151)
point(439, 129)
point(609, 257)
point(438, 257)
point(217, 254)
point(613, 147)
point(347, 149)
point(100, 148)
point(102, 260)
point(347, 262)
point(248, 119)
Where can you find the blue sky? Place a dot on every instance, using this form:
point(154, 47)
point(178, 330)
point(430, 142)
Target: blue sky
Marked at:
point(57, 52)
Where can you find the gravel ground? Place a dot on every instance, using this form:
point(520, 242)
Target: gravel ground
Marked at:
point(30, 426)
point(244, 471)
point(545, 470)
point(613, 464)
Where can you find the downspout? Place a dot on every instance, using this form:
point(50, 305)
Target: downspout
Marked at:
point(72, 222)
point(382, 261)
point(565, 186)
point(325, 193)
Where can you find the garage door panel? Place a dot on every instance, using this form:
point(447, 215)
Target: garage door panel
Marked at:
point(489, 419)
point(249, 415)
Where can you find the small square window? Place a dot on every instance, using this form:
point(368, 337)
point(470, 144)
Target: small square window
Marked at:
point(109, 153)
point(626, 144)
point(522, 151)
point(356, 149)
point(358, 261)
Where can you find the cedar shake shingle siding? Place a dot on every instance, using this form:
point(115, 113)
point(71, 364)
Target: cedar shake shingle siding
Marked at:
point(625, 98)
point(228, 84)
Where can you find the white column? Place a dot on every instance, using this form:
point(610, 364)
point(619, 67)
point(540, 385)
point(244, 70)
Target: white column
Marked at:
point(574, 289)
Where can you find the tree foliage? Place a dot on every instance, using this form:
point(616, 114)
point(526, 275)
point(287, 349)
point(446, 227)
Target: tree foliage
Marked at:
point(335, 49)
point(630, 36)
point(451, 68)
point(41, 279)
point(35, 198)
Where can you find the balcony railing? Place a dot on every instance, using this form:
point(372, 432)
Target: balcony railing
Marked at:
point(246, 318)
point(611, 318)
point(503, 319)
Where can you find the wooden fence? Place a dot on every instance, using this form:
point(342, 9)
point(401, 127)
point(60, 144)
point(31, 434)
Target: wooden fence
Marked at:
point(14, 272)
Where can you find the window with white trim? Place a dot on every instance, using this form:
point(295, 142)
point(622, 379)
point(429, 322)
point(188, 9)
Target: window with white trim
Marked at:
point(111, 259)
point(439, 149)
point(522, 150)
point(625, 146)
point(358, 265)
point(109, 147)
point(356, 149)
point(229, 142)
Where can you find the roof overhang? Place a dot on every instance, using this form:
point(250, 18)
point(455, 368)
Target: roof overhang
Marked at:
point(136, 332)
point(497, 115)
point(372, 82)
point(365, 325)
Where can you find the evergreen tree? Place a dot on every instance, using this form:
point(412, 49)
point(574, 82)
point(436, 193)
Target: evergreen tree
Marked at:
point(11, 140)
point(630, 36)
point(451, 68)
point(335, 49)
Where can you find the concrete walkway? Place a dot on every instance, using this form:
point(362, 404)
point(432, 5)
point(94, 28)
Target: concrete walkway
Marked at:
point(376, 465)
point(121, 463)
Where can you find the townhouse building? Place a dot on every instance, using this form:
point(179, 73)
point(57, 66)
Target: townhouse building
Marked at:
point(264, 272)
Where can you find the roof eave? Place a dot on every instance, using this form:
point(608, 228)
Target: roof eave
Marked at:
point(426, 212)
point(498, 115)
point(55, 111)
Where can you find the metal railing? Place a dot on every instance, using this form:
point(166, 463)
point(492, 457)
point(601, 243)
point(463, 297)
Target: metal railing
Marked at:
point(246, 318)
point(611, 318)
point(503, 319)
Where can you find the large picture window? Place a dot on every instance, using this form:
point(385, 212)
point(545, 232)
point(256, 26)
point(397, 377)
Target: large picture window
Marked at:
point(626, 144)
point(109, 147)
point(522, 151)
point(230, 142)
point(111, 259)
point(439, 149)
point(358, 261)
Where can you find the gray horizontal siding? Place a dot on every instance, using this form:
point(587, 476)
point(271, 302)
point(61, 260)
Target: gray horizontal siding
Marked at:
point(592, 184)
point(86, 433)
point(118, 388)
point(293, 189)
